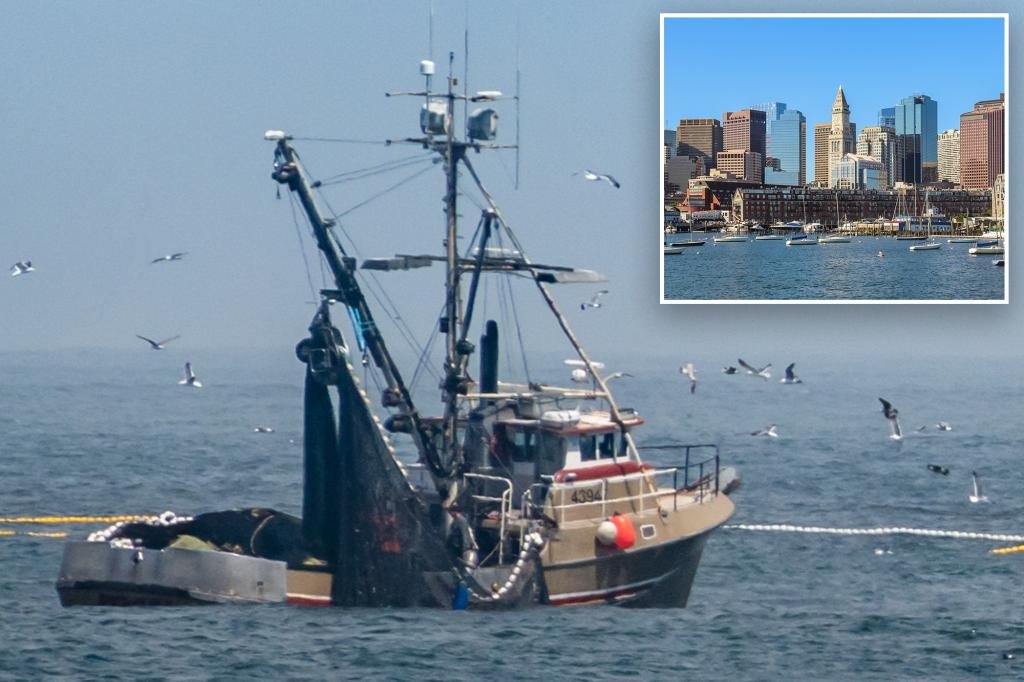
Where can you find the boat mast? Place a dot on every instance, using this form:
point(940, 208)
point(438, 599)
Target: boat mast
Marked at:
point(289, 170)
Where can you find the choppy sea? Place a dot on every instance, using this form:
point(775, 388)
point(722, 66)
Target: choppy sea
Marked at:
point(98, 432)
point(762, 270)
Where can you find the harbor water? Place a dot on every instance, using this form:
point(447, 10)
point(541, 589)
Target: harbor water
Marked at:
point(762, 270)
point(99, 433)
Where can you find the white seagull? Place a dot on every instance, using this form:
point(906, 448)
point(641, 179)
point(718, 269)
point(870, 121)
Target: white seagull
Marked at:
point(190, 377)
point(891, 413)
point(169, 257)
point(941, 426)
point(764, 372)
point(262, 429)
point(617, 375)
point(594, 301)
point(158, 345)
point(976, 495)
point(591, 175)
point(21, 267)
point(690, 373)
point(791, 377)
point(766, 431)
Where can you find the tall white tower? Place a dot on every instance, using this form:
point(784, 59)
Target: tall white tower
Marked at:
point(840, 137)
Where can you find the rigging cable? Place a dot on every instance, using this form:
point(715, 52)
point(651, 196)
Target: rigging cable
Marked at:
point(370, 171)
point(302, 247)
point(384, 191)
point(345, 140)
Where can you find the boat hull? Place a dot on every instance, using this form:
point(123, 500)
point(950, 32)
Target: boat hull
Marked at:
point(986, 251)
point(657, 572)
point(728, 240)
point(673, 251)
point(770, 238)
point(801, 242)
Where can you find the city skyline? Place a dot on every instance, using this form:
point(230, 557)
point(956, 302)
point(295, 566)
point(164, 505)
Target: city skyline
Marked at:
point(876, 80)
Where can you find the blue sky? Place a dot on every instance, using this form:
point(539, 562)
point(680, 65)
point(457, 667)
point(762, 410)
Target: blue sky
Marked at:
point(803, 61)
point(134, 130)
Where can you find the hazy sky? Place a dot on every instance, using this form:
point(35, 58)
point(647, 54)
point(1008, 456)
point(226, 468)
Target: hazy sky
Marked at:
point(135, 129)
point(803, 61)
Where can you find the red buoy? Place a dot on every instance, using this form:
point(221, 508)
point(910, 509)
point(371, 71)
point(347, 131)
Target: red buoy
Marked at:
point(625, 536)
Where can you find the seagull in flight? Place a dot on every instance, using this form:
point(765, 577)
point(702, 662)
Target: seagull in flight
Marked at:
point(891, 413)
point(790, 377)
point(21, 267)
point(941, 426)
point(591, 175)
point(169, 257)
point(939, 469)
point(158, 345)
point(617, 375)
point(729, 370)
point(190, 378)
point(766, 431)
point(764, 372)
point(262, 429)
point(594, 301)
point(976, 495)
point(690, 373)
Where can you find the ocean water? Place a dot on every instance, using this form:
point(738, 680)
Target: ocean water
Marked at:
point(771, 270)
point(104, 433)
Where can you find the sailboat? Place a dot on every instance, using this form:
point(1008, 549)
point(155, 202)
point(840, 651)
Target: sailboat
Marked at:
point(837, 237)
point(515, 494)
point(910, 234)
point(930, 245)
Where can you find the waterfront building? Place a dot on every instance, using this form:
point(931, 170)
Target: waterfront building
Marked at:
point(949, 156)
point(743, 164)
point(853, 171)
point(714, 191)
point(841, 135)
point(887, 117)
point(821, 131)
point(699, 137)
point(879, 143)
point(679, 170)
point(769, 205)
point(744, 130)
point(917, 128)
point(982, 144)
point(999, 197)
point(788, 143)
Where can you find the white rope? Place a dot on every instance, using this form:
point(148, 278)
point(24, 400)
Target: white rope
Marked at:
point(531, 541)
point(924, 532)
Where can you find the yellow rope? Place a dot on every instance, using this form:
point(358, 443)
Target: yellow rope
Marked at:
point(71, 519)
point(1008, 550)
point(4, 533)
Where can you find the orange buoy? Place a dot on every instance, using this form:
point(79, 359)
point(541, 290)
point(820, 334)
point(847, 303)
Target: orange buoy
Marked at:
point(625, 536)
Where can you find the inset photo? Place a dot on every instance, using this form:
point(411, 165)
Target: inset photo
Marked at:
point(834, 158)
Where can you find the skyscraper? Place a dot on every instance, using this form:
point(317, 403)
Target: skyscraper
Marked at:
point(887, 117)
point(982, 145)
point(821, 131)
point(841, 136)
point(745, 165)
point(917, 125)
point(772, 111)
point(949, 156)
point(879, 143)
point(670, 143)
point(744, 131)
point(788, 140)
point(699, 137)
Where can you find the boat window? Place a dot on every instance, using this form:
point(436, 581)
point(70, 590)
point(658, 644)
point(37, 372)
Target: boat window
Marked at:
point(588, 448)
point(606, 447)
point(523, 446)
point(551, 451)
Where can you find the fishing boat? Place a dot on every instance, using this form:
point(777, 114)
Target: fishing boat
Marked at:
point(515, 493)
